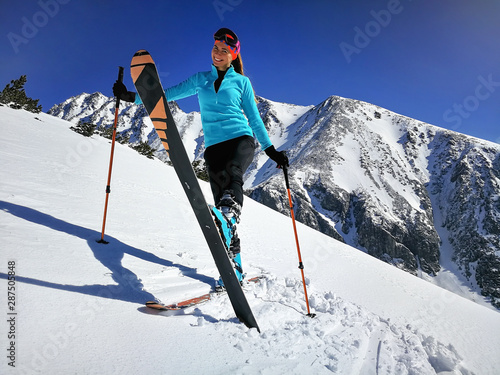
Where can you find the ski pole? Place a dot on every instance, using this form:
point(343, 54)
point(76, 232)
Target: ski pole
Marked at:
point(301, 265)
point(108, 186)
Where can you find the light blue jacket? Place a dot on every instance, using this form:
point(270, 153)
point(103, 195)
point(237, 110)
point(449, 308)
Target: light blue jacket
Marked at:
point(222, 112)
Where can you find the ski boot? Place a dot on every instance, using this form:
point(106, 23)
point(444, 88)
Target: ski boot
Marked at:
point(219, 284)
point(230, 209)
point(227, 215)
point(225, 227)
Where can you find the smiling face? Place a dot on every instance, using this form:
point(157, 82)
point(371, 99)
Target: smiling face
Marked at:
point(221, 56)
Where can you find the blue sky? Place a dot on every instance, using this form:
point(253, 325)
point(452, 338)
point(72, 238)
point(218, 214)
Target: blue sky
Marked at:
point(436, 61)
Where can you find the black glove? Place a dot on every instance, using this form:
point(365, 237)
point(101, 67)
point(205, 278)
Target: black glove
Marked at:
point(278, 156)
point(120, 91)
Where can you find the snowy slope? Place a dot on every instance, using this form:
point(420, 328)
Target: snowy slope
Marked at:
point(79, 303)
point(417, 196)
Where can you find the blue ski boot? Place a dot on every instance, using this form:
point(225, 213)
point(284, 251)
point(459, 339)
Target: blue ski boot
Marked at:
point(225, 227)
point(230, 210)
point(219, 284)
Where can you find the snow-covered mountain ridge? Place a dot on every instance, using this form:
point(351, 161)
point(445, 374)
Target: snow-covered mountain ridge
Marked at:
point(80, 304)
point(417, 196)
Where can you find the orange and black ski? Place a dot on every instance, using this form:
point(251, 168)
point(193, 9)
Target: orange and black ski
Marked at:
point(180, 305)
point(149, 88)
point(192, 301)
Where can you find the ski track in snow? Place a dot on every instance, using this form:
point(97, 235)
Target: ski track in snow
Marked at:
point(89, 318)
point(342, 338)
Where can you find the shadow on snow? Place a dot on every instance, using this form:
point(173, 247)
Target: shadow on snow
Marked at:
point(129, 288)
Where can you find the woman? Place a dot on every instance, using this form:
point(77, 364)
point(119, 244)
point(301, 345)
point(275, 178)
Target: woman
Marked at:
point(230, 118)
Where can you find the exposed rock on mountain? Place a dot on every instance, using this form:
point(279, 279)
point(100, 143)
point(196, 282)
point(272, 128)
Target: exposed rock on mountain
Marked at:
point(387, 184)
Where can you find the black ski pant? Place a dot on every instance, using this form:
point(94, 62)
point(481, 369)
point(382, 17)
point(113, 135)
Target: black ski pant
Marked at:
point(226, 163)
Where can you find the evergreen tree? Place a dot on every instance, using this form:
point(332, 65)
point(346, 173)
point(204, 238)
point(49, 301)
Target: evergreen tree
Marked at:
point(84, 128)
point(107, 132)
point(122, 138)
point(15, 97)
point(200, 170)
point(144, 148)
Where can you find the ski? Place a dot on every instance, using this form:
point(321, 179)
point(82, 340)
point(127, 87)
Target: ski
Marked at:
point(147, 83)
point(192, 301)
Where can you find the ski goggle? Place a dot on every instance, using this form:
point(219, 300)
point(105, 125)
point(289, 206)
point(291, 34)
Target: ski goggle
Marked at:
point(230, 40)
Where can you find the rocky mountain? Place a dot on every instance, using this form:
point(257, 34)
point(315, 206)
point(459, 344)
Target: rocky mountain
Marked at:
point(133, 121)
point(417, 196)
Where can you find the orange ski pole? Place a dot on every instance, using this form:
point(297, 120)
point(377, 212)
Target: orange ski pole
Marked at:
point(301, 265)
point(108, 186)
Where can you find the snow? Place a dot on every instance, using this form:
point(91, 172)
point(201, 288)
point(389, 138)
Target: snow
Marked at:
point(80, 306)
point(287, 114)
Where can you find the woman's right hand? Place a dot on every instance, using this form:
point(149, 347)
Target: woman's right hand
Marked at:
point(277, 156)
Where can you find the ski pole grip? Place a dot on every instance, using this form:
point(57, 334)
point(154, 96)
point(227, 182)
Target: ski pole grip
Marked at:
point(120, 74)
point(120, 79)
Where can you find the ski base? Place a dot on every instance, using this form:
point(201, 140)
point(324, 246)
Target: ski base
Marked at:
point(178, 306)
point(193, 301)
